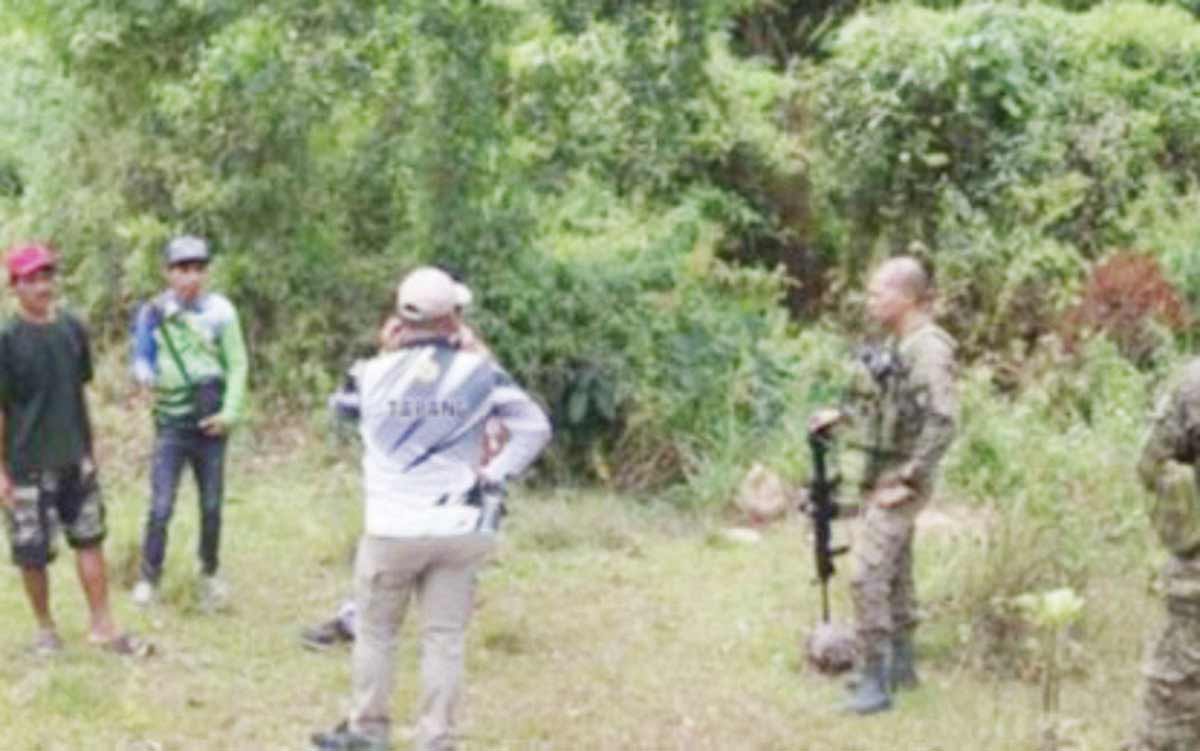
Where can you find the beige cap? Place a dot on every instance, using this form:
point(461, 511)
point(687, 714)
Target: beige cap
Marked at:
point(428, 293)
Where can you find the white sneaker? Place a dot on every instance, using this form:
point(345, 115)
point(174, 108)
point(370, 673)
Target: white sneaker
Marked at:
point(144, 593)
point(214, 594)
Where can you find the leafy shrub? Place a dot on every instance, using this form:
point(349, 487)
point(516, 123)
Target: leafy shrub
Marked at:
point(683, 362)
point(1168, 221)
point(617, 184)
point(1125, 297)
point(570, 161)
point(1050, 470)
point(1014, 142)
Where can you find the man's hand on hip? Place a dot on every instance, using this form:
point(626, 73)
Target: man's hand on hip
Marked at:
point(891, 495)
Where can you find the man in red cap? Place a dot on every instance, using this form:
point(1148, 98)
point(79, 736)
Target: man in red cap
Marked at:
point(47, 473)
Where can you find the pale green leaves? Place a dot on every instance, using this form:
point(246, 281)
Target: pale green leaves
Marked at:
point(1054, 609)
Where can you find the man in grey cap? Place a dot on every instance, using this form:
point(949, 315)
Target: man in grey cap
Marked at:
point(188, 349)
point(432, 507)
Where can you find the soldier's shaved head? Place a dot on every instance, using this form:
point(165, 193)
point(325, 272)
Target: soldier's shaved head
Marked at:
point(908, 275)
point(899, 289)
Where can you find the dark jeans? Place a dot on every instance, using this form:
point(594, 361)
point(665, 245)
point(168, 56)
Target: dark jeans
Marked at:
point(173, 447)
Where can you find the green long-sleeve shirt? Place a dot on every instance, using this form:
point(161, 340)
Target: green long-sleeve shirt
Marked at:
point(207, 337)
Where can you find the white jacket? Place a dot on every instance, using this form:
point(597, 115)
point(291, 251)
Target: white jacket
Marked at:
point(422, 411)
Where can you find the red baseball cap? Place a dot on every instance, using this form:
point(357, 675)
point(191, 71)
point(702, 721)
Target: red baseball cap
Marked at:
point(24, 260)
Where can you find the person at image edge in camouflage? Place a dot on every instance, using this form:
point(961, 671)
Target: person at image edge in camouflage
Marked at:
point(1169, 717)
point(910, 410)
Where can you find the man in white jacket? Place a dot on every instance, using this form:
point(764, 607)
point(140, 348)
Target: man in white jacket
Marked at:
point(431, 506)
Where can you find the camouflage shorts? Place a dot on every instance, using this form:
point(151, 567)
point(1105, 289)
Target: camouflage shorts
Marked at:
point(42, 504)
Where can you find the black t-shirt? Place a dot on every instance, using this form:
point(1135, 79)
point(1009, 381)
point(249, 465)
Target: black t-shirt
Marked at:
point(43, 367)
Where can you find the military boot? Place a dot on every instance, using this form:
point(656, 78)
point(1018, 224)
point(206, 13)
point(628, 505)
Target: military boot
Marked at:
point(903, 673)
point(871, 689)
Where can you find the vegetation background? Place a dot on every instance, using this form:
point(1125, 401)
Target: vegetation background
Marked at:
point(666, 210)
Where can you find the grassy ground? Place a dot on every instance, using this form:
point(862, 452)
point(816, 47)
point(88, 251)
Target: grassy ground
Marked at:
point(604, 625)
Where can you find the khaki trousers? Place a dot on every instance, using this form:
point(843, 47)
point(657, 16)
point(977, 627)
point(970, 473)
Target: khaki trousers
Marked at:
point(441, 572)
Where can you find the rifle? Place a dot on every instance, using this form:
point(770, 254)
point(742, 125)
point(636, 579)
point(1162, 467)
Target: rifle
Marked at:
point(823, 508)
point(882, 364)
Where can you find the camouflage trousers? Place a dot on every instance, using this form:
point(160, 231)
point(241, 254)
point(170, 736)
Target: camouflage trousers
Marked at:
point(883, 591)
point(1169, 717)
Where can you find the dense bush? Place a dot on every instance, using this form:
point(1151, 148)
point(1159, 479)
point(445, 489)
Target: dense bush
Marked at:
point(1049, 473)
point(619, 181)
point(569, 159)
point(1127, 299)
point(1017, 143)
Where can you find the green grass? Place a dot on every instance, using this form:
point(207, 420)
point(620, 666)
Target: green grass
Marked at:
point(605, 624)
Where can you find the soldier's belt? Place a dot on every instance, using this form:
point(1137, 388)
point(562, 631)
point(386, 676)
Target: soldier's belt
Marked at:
point(874, 452)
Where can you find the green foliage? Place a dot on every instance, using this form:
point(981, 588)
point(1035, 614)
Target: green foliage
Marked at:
point(1012, 141)
point(684, 363)
point(618, 184)
point(633, 202)
point(571, 161)
point(1050, 472)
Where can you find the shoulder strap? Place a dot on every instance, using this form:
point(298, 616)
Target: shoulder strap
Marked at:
point(162, 325)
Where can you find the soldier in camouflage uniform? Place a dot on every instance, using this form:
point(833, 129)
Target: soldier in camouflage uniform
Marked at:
point(910, 411)
point(1169, 719)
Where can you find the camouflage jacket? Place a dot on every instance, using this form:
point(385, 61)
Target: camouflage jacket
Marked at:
point(910, 411)
point(1168, 464)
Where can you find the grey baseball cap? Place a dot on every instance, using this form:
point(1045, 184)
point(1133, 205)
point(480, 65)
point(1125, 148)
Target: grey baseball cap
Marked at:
point(186, 248)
